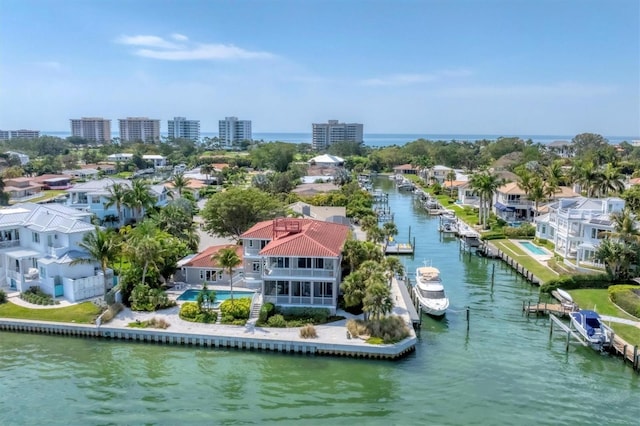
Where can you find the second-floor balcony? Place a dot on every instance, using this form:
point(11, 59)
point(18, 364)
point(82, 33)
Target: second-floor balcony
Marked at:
point(273, 271)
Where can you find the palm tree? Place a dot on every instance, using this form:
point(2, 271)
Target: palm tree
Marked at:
point(587, 176)
point(536, 193)
point(486, 184)
point(389, 230)
point(142, 244)
point(139, 197)
point(616, 255)
point(377, 301)
point(228, 259)
point(101, 247)
point(353, 288)
point(610, 180)
point(451, 176)
point(624, 225)
point(180, 182)
point(118, 196)
point(393, 266)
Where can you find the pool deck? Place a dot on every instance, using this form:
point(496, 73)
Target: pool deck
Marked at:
point(332, 339)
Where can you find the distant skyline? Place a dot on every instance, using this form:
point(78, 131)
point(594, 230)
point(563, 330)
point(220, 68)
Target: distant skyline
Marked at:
point(544, 67)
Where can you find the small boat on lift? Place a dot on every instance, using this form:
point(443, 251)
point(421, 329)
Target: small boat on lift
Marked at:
point(430, 291)
point(589, 325)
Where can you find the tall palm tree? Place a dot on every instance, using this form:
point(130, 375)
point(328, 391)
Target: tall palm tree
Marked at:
point(228, 259)
point(486, 184)
point(393, 266)
point(625, 226)
point(554, 173)
point(139, 197)
point(377, 301)
point(537, 193)
point(102, 248)
point(118, 196)
point(610, 180)
point(587, 176)
point(142, 244)
point(451, 176)
point(179, 182)
point(389, 230)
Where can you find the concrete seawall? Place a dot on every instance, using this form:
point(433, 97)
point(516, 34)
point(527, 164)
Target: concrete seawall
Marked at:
point(311, 346)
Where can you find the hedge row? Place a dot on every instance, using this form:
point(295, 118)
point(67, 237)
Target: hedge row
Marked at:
point(576, 281)
point(627, 297)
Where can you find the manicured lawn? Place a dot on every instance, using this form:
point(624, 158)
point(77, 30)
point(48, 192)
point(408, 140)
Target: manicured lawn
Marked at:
point(82, 313)
point(514, 251)
point(599, 298)
point(53, 193)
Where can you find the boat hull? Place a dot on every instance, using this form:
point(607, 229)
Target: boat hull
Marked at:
point(591, 328)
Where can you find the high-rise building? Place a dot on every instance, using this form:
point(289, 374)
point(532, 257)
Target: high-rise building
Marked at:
point(180, 127)
point(232, 131)
point(139, 129)
point(325, 134)
point(95, 129)
point(19, 134)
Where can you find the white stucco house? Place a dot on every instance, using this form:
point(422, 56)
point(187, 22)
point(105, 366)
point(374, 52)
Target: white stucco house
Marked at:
point(156, 160)
point(93, 197)
point(121, 156)
point(39, 242)
point(576, 225)
point(24, 158)
point(295, 262)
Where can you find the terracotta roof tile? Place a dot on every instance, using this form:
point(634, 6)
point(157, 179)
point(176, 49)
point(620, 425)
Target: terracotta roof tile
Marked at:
point(314, 239)
point(203, 259)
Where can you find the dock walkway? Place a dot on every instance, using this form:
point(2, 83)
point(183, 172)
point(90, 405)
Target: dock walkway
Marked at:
point(404, 303)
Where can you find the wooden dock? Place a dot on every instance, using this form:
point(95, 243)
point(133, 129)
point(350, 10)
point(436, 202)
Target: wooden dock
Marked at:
point(399, 248)
point(416, 318)
point(546, 308)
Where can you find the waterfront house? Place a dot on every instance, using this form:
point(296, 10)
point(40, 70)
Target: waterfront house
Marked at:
point(468, 196)
point(295, 262)
point(326, 160)
point(38, 244)
point(54, 181)
point(576, 225)
point(405, 169)
point(120, 157)
point(438, 174)
point(22, 189)
point(156, 160)
point(510, 202)
point(200, 268)
point(93, 197)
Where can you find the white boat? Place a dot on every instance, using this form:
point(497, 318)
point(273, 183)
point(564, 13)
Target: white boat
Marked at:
point(591, 328)
point(430, 291)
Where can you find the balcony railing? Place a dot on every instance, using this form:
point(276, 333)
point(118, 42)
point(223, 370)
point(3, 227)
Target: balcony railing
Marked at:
point(286, 272)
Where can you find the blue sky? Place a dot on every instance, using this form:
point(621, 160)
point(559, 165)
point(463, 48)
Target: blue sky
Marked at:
point(509, 67)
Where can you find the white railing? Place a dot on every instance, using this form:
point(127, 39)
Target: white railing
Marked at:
point(11, 243)
point(284, 272)
point(27, 197)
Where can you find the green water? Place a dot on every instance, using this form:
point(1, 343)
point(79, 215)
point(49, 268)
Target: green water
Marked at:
point(505, 370)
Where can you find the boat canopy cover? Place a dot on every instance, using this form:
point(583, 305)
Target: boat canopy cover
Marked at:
point(428, 273)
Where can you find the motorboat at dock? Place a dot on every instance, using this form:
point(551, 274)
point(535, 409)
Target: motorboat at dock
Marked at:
point(589, 325)
point(430, 291)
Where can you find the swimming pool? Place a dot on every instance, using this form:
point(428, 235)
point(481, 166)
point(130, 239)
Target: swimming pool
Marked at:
point(221, 295)
point(533, 248)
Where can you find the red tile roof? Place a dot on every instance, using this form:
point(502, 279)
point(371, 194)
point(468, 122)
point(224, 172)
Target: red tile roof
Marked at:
point(203, 259)
point(404, 167)
point(314, 238)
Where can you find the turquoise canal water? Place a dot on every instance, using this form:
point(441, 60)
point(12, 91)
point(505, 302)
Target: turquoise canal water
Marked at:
point(505, 370)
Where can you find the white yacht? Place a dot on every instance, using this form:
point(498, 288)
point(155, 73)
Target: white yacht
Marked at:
point(430, 291)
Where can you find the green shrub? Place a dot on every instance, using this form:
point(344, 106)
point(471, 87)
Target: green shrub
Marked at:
point(237, 308)
point(145, 298)
point(526, 230)
point(266, 311)
point(37, 297)
point(312, 315)
point(277, 321)
point(492, 235)
point(189, 311)
point(3, 296)
point(627, 297)
point(308, 332)
point(390, 329)
point(571, 282)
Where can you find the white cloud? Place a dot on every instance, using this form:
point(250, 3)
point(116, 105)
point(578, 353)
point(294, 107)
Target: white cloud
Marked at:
point(147, 41)
point(158, 48)
point(179, 37)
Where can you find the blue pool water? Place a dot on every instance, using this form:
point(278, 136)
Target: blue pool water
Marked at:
point(221, 295)
point(532, 248)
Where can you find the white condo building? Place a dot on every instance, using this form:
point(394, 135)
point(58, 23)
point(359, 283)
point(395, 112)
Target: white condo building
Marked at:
point(95, 129)
point(325, 134)
point(232, 131)
point(139, 129)
point(19, 134)
point(180, 127)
